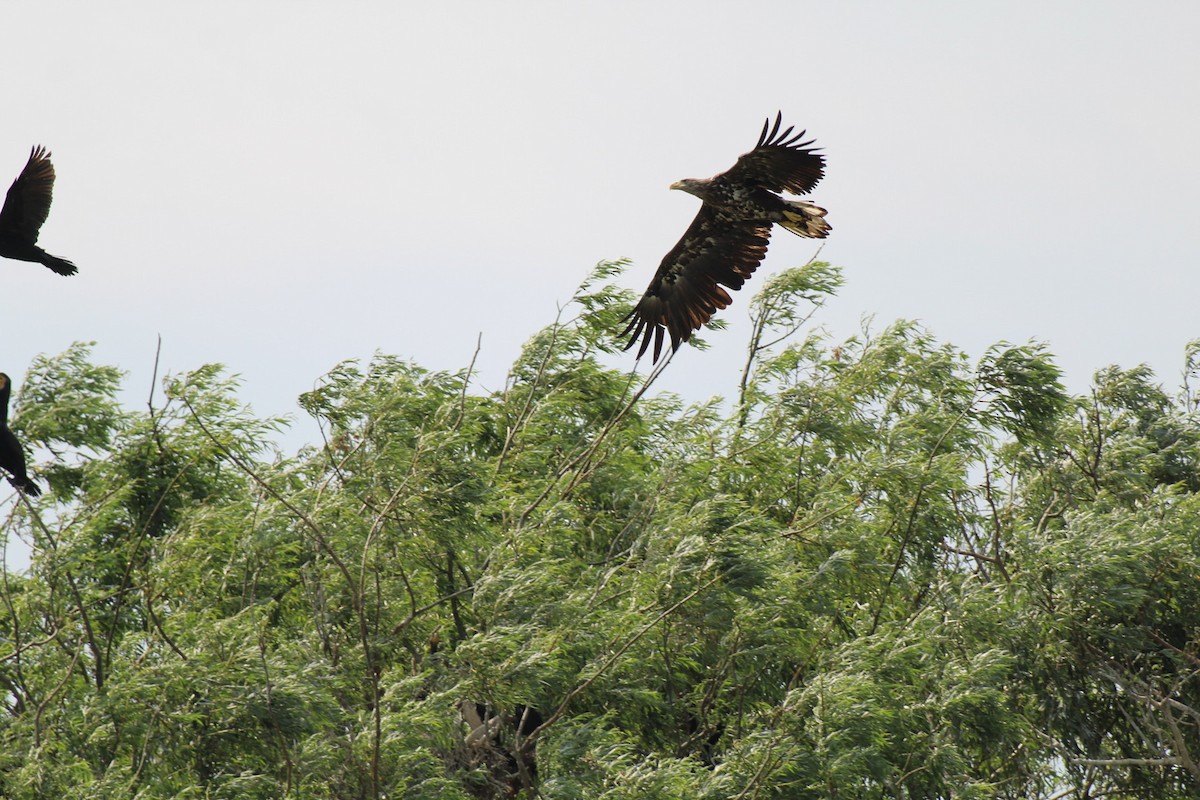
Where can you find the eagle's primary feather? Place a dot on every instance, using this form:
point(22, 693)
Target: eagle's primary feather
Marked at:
point(728, 239)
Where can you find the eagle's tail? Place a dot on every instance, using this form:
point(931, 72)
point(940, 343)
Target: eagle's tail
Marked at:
point(805, 219)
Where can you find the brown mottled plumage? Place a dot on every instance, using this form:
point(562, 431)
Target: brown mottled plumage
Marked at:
point(728, 239)
point(25, 210)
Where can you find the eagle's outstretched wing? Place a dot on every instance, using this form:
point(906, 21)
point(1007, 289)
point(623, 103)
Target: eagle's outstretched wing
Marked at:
point(28, 202)
point(686, 291)
point(780, 162)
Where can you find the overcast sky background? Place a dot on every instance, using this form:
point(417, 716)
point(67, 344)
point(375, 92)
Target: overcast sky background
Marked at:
point(279, 186)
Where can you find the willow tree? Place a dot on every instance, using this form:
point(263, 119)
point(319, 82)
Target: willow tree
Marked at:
point(882, 569)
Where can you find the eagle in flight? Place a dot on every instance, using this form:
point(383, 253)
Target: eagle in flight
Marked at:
point(25, 210)
point(728, 239)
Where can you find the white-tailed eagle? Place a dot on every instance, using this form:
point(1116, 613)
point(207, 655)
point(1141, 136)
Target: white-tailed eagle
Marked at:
point(728, 239)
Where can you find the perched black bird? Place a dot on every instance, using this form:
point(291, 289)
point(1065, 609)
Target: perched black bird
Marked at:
point(728, 239)
point(25, 210)
point(12, 457)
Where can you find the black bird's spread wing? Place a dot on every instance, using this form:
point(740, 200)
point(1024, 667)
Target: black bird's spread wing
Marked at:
point(28, 202)
point(780, 162)
point(686, 290)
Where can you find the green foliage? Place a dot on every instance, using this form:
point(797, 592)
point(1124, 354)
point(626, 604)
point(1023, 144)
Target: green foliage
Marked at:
point(883, 572)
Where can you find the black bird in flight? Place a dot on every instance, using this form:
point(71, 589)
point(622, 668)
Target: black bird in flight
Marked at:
point(25, 210)
point(728, 239)
point(12, 457)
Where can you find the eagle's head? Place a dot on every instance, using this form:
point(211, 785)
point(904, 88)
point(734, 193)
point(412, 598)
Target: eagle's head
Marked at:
point(696, 186)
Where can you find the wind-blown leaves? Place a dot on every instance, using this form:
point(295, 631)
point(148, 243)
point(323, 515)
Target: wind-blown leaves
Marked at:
point(883, 572)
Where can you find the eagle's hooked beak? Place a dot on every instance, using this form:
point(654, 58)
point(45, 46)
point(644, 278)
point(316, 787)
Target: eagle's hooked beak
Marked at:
point(691, 186)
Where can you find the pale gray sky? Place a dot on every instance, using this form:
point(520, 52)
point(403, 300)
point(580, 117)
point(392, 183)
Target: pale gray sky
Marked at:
point(279, 186)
